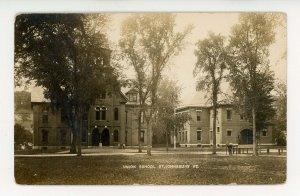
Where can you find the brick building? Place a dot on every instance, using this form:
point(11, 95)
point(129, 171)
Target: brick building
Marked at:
point(232, 127)
point(111, 121)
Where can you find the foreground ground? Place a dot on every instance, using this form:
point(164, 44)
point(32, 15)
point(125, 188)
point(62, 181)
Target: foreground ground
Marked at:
point(156, 169)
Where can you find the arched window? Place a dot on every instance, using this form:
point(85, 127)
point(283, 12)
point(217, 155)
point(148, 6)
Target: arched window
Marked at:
point(116, 114)
point(103, 113)
point(116, 135)
point(97, 113)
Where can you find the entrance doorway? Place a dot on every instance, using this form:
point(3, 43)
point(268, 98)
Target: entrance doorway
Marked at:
point(105, 137)
point(95, 137)
point(246, 136)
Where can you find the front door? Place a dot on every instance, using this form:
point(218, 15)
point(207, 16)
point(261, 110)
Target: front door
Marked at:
point(105, 137)
point(246, 137)
point(95, 137)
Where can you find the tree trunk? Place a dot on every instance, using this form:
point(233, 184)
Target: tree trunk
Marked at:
point(167, 137)
point(139, 130)
point(254, 131)
point(148, 138)
point(79, 135)
point(174, 139)
point(73, 143)
point(214, 151)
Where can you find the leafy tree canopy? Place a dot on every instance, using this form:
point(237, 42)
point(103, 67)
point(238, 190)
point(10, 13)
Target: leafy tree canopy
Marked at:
point(68, 55)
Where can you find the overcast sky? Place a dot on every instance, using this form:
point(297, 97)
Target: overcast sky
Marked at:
point(181, 67)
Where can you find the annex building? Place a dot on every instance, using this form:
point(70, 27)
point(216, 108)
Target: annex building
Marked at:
point(232, 127)
point(111, 121)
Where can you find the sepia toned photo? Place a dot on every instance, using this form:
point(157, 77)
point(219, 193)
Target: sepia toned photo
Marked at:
point(150, 98)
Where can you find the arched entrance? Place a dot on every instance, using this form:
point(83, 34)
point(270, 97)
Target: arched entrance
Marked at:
point(105, 137)
point(246, 136)
point(95, 137)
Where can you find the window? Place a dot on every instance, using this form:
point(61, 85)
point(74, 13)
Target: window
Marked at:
point(126, 132)
point(241, 116)
point(63, 137)
point(229, 132)
point(45, 118)
point(229, 114)
point(142, 136)
point(198, 115)
point(116, 114)
point(198, 134)
point(97, 113)
point(264, 132)
point(132, 97)
point(45, 136)
point(103, 113)
point(218, 129)
point(116, 135)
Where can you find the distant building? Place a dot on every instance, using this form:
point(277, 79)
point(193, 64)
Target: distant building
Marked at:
point(111, 121)
point(232, 127)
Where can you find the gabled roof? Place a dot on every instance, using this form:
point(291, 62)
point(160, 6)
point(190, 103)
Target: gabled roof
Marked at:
point(132, 90)
point(125, 99)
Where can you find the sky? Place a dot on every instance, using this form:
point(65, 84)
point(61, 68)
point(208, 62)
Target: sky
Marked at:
point(181, 66)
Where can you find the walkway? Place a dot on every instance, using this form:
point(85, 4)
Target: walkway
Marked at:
point(107, 151)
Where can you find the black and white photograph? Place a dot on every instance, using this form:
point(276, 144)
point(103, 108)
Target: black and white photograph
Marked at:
point(150, 98)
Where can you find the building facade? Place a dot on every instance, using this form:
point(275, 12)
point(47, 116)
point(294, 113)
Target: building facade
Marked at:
point(111, 121)
point(231, 127)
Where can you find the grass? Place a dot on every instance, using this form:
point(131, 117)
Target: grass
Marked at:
point(109, 170)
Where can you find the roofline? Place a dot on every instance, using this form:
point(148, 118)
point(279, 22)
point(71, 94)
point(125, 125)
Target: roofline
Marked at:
point(124, 96)
point(200, 106)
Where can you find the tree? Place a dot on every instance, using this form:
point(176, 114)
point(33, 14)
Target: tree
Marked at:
point(211, 65)
point(251, 79)
point(165, 120)
point(149, 41)
point(22, 135)
point(281, 112)
point(69, 57)
point(22, 102)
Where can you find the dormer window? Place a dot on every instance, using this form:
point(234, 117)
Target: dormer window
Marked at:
point(132, 97)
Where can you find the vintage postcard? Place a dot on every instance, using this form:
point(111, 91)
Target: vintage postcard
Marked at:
point(150, 98)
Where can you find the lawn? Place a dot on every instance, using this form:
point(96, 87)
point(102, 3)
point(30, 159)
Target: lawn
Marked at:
point(158, 169)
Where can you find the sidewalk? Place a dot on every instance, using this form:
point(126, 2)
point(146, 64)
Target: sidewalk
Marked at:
point(130, 152)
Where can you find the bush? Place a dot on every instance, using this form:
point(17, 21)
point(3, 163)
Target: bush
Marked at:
point(23, 137)
point(281, 139)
